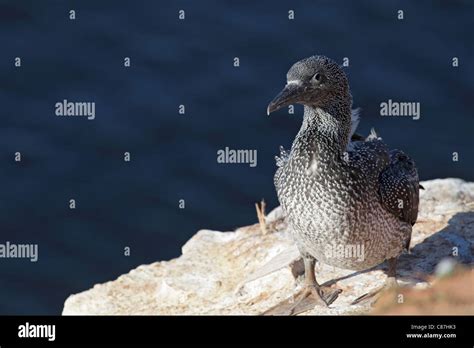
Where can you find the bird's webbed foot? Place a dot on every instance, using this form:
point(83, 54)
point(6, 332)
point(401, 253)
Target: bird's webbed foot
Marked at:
point(374, 295)
point(305, 300)
point(390, 283)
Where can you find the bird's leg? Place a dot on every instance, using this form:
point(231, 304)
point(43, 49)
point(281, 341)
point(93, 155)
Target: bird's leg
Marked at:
point(311, 295)
point(390, 282)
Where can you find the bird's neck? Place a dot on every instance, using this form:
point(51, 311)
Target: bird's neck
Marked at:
point(324, 131)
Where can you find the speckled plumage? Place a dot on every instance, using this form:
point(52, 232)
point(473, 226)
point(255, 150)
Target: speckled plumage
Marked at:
point(339, 194)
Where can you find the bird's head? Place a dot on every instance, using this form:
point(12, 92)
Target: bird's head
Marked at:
point(316, 82)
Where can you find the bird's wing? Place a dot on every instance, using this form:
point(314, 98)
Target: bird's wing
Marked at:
point(399, 187)
point(394, 174)
point(368, 157)
point(393, 171)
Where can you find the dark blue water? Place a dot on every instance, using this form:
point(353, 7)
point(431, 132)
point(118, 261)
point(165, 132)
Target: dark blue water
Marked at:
point(173, 156)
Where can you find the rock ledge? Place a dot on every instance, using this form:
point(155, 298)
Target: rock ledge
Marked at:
point(246, 272)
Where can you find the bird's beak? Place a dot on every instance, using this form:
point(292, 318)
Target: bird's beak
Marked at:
point(289, 95)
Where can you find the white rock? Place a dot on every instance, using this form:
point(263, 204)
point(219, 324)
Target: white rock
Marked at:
point(230, 273)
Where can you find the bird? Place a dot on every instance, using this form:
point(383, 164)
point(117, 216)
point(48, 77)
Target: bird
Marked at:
point(340, 192)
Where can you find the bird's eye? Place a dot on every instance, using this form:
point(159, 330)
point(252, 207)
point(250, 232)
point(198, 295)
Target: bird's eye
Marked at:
point(317, 77)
